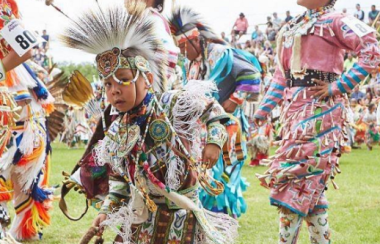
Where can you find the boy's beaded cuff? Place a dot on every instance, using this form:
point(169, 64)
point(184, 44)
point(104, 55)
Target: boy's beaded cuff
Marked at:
point(216, 134)
point(109, 204)
point(106, 207)
point(118, 191)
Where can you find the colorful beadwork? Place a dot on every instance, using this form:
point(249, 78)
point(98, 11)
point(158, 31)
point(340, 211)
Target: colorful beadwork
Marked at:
point(159, 130)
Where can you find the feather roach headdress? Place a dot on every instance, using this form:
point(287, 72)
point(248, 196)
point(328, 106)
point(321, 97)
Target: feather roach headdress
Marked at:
point(186, 24)
point(120, 38)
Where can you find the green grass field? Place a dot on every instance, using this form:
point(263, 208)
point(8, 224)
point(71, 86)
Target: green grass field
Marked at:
point(354, 209)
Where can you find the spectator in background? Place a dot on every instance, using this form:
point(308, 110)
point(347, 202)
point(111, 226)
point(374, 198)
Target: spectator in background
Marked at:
point(277, 22)
point(241, 25)
point(233, 42)
point(36, 47)
point(239, 46)
point(47, 60)
point(268, 50)
point(258, 49)
point(271, 32)
point(368, 96)
point(344, 11)
point(288, 17)
point(46, 37)
point(257, 36)
point(372, 14)
point(261, 37)
point(42, 76)
point(223, 35)
point(359, 13)
point(372, 134)
point(357, 94)
point(374, 78)
point(39, 57)
point(249, 48)
point(349, 62)
point(269, 19)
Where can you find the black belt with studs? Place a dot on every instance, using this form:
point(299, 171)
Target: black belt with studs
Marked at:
point(309, 75)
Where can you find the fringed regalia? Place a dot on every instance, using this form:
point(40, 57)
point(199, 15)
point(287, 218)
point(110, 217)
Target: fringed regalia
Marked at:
point(313, 129)
point(236, 78)
point(144, 172)
point(25, 164)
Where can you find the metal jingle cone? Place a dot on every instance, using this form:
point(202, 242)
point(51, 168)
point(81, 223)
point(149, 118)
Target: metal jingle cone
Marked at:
point(335, 185)
point(282, 188)
point(298, 154)
point(330, 30)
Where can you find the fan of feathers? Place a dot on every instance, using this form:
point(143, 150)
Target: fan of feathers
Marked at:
point(75, 91)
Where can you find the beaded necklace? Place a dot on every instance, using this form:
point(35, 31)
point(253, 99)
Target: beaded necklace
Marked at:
point(132, 120)
point(303, 23)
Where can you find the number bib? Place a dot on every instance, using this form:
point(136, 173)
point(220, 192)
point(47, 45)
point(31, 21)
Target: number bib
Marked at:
point(20, 39)
point(357, 26)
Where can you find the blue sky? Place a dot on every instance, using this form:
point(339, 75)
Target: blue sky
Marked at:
point(220, 13)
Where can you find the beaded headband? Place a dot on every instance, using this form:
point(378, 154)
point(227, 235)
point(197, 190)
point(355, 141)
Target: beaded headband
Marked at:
point(109, 62)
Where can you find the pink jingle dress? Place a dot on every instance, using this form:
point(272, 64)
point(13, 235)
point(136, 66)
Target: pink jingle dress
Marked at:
point(312, 130)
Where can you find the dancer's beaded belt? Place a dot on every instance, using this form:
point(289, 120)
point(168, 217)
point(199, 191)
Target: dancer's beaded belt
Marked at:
point(307, 79)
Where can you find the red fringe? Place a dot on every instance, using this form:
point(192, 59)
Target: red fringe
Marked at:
point(27, 230)
point(5, 195)
point(30, 221)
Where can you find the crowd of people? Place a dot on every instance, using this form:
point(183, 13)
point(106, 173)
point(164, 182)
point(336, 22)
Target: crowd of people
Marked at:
point(176, 110)
point(260, 41)
point(41, 52)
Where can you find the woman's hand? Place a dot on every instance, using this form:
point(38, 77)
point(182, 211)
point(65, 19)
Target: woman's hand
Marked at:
point(323, 89)
point(211, 154)
point(98, 221)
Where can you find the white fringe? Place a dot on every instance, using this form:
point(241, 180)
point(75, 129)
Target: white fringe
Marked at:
point(296, 57)
point(260, 144)
point(99, 154)
point(196, 144)
point(120, 221)
point(25, 78)
point(176, 169)
point(7, 158)
point(280, 44)
point(9, 239)
point(28, 136)
point(102, 153)
point(226, 226)
point(28, 173)
point(190, 106)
